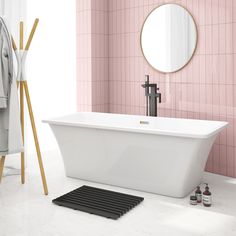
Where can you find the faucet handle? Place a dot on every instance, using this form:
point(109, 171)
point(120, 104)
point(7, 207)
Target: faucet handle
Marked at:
point(147, 78)
point(159, 97)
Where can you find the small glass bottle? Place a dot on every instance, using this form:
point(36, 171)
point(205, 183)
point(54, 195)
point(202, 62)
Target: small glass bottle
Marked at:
point(198, 194)
point(193, 200)
point(206, 197)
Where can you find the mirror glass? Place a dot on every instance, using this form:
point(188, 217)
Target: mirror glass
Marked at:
point(168, 38)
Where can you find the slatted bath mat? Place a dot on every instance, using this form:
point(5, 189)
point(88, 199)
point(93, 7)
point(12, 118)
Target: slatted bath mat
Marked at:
point(99, 201)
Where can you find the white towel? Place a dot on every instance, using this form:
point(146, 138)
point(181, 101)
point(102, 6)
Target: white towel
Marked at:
point(15, 143)
point(10, 129)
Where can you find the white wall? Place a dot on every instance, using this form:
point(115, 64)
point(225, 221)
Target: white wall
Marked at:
point(51, 65)
point(14, 11)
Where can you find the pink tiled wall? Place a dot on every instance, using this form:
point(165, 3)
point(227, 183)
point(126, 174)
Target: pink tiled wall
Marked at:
point(202, 90)
point(84, 76)
point(92, 55)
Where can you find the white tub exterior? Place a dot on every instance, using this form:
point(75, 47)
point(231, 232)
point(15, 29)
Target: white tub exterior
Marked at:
point(159, 155)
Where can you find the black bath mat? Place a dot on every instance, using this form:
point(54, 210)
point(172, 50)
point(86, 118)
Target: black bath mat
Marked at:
point(99, 201)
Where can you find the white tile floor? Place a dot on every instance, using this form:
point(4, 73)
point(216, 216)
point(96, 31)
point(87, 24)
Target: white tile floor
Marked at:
point(24, 210)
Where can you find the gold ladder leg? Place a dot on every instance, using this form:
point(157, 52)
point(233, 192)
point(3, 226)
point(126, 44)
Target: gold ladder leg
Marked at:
point(35, 137)
point(1, 167)
point(22, 128)
point(22, 107)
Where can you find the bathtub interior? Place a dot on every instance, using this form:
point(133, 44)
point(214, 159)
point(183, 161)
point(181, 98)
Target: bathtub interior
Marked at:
point(156, 125)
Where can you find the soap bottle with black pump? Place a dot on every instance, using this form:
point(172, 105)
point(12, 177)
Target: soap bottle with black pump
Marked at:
point(198, 194)
point(206, 198)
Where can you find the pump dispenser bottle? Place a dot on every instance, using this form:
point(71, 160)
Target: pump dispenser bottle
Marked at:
point(198, 194)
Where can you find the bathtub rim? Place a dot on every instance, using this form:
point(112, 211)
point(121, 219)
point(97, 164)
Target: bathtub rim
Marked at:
point(56, 121)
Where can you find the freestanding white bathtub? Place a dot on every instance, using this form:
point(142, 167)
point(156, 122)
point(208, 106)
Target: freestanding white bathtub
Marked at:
point(160, 155)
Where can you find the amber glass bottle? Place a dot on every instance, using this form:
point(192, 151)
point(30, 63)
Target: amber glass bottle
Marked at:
point(198, 194)
point(206, 198)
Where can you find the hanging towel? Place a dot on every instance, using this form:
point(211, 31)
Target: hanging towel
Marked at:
point(10, 129)
point(4, 69)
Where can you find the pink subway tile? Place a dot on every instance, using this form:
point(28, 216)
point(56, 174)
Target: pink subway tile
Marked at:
point(234, 36)
point(230, 69)
point(132, 94)
point(223, 101)
point(215, 37)
point(209, 100)
point(230, 161)
point(222, 11)
point(209, 72)
point(229, 38)
point(208, 10)
point(229, 11)
point(215, 11)
point(229, 101)
point(222, 69)
point(215, 69)
point(190, 98)
point(196, 97)
point(234, 11)
point(208, 39)
point(202, 40)
point(222, 38)
point(202, 68)
point(202, 12)
point(202, 100)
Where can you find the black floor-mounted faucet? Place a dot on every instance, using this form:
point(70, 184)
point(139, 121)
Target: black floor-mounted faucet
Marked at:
point(151, 97)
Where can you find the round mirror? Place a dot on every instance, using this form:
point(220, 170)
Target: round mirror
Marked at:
point(168, 38)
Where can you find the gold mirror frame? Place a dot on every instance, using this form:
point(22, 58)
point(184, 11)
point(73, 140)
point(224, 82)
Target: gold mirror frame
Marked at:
point(195, 48)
